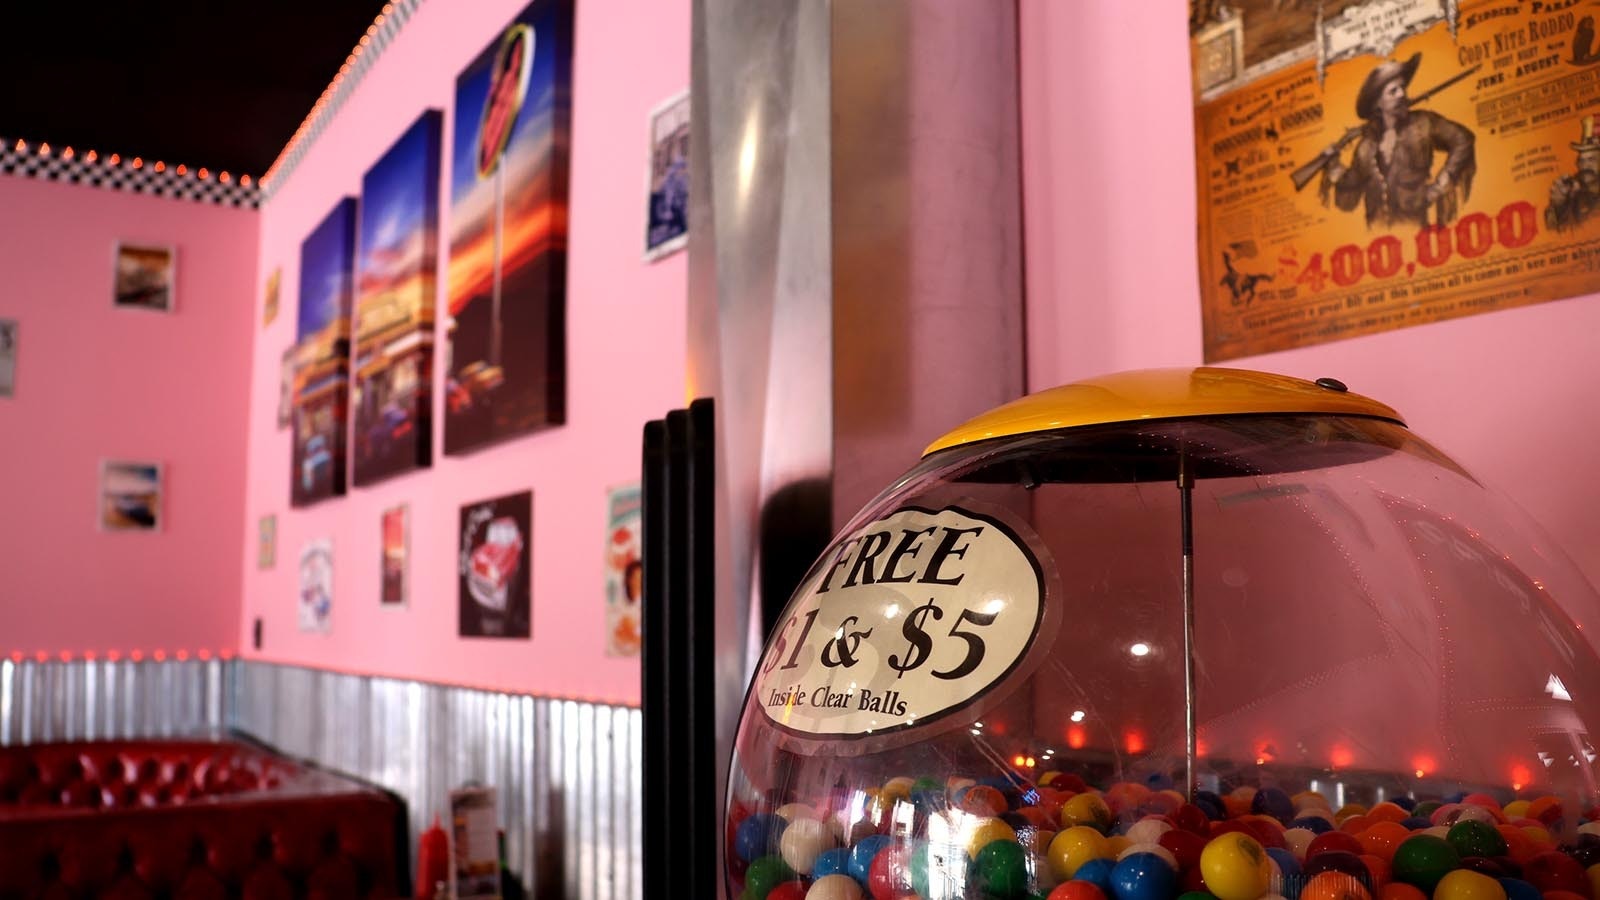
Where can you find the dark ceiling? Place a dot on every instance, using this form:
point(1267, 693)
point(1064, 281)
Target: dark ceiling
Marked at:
point(222, 84)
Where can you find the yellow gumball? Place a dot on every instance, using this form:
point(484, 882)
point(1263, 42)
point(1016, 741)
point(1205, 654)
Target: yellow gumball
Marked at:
point(1086, 809)
point(1516, 809)
point(987, 831)
point(1594, 879)
point(897, 789)
point(1235, 867)
point(1118, 843)
point(1465, 884)
point(1075, 846)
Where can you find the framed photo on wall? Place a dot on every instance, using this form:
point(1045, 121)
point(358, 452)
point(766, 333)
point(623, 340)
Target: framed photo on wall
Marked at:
point(392, 389)
point(322, 371)
point(493, 567)
point(8, 357)
point(145, 276)
point(267, 542)
point(316, 585)
point(396, 529)
point(269, 306)
point(130, 496)
point(506, 316)
point(667, 216)
point(624, 570)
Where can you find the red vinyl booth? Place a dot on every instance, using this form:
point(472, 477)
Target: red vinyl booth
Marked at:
point(200, 819)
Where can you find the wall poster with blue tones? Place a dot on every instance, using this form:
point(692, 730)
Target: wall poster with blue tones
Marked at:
point(322, 364)
point(506, 325)
point(391, 391)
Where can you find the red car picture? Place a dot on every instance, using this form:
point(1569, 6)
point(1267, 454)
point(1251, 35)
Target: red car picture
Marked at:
point(494, 563)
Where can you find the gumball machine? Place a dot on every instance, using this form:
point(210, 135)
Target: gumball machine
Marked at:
point(1181, 633)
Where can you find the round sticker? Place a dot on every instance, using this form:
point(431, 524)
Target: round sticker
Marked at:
point(912, 617)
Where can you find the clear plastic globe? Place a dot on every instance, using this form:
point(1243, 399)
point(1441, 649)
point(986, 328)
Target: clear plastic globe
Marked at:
point(1007, 667)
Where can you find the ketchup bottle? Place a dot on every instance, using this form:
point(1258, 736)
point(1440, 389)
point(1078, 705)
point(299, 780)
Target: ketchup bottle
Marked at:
point(433, 861)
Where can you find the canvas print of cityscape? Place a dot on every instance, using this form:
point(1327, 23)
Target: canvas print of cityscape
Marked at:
point(322, 364)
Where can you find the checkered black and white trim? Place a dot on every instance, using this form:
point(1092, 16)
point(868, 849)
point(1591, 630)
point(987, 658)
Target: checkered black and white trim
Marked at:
point(372, 45)
point(49, 164)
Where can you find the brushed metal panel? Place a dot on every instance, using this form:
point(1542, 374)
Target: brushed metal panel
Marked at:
point(73, 700)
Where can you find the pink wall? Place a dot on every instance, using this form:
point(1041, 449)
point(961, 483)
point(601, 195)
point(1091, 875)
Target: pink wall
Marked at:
point(625, 340)
point(1112, 277)
point(95, 382)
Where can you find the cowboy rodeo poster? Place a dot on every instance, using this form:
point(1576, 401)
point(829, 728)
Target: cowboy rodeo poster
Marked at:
point(1365, 166)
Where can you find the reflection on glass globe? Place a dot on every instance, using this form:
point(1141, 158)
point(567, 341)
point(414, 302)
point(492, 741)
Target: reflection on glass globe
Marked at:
point(1176, 631)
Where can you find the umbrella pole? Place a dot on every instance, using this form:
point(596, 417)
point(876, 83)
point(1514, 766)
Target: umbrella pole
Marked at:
point(1186, 508)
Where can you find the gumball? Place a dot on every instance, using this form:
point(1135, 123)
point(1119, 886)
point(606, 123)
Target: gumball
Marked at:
point(1299, 840)
point(1272, 802)
point(1562, 895)
point(1337, 861)
point(1191, 818)
point(1387, 812)
point(1016, 820)
point(1266, 830)
point(802, 842)
point(1474, 838)
point(1423, 859)
point(1594, 879)
point(863, 853)
point(789, 890)
point(987, 831)
point(1442, 832)
point(1087, 809)
point(1399, 890)
point(1144, 876)
point(1468, 812)
point(791, 811)
point(982, 800)
point(1517, 889)
point(1463, 884)
point(1334, 886)
point(1556, 871)
point(1381, 839)
point(758, 835)
point(1348, 810)
point(834, 887)
point(1098, 873)
point(831, 862)
point(1379, 870)
point(1484, 866)
point(765, 874)
point(1035, 840)
point(1335, 840)
point(1309, 799)
point(1001, 868)
point(1415, 823)
point(1516, 809)
point(1070, 782)
point(1287, 863)
point(1236, 867)
point(1313, 824)
point(1405, 803)
point(1356, 824)
point(1117, 843)
point(1077, 890)
point(890, 873)
point(1185, 847)
point(1073, 847)
point(1545, 809)
point(1151, 847)
point(1192, 895)
point(1148, 830)
point(1036, 817)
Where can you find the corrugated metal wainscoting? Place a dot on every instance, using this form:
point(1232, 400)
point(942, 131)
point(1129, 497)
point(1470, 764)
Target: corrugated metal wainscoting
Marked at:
point(566, 772)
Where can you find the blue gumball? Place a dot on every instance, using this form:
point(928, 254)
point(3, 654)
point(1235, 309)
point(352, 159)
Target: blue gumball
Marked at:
point(831, 862)
point(862, 854)
point(1314, 824)
point(1416, 823)
point(1457, 797)
point(1143, 876)
point(758, 836)
point(1517, 889)
point(1273, 802)
point(1098, 873)
point(1159, 781)
point(1285, 860)
point(1405, 803)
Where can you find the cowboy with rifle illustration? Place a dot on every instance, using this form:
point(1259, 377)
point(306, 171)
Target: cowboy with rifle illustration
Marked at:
point(1391, 171)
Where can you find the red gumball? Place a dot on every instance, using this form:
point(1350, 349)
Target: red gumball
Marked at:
point(1553, 870)
point(890, 873)
point(1077, 890)
point(1268, 833)
point(789, 890)
point(1069, 782)
point(1185, 846)
point(1334, 840)
point(1193, 880)
point(1191, 818)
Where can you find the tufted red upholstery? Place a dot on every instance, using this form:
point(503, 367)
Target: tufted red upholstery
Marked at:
point(190, 819)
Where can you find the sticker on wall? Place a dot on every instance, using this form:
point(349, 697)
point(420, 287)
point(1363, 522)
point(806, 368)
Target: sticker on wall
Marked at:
point(267, 542)
point(130, 496)
point(316, 585)
point(286, 371)
point(624, 571)
point(493, 564)
point(269, 307)
point(506, 323)
point(8, 357)
point(667, 218)
point(392, 592)
point(391, 391)
point(915, 616)
point(145, 277)
point(322, 334)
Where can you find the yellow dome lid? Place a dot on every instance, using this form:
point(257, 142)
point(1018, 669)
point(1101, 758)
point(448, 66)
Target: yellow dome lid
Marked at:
point(1150, 394)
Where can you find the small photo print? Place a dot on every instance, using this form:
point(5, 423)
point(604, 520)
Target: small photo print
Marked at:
point(475, 843)
point(130, 496)
point(286, 386)
point(494, 583)
point(624, 571)
point(269, 309)
point(145, 277)
point(267, 542)
point(667, 219)
point(8, 357)
point(392, 592)
point(316, 585)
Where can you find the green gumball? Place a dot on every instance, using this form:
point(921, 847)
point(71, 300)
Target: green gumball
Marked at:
point(765, 874)
point(1422, 859)
point(1001, 869)
point(1473, 838)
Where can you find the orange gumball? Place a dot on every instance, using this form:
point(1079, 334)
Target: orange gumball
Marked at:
point(1381, 839)
point(1334, 886)
point(1357, 824)
point(1399, 890)
point(1382, 872)
point(1388, 812)
point(1518, 845)
point(1545, 809)
point(982, 800)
